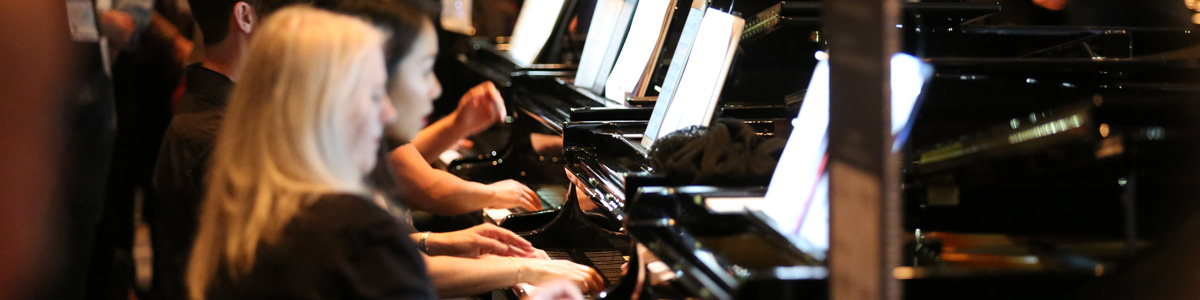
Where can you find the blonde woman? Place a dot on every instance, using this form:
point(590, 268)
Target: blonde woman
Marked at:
point(287, 213)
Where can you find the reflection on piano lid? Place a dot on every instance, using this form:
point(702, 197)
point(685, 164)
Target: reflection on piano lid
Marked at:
point(800, 175)
point(1054, 126)
point(697, 74)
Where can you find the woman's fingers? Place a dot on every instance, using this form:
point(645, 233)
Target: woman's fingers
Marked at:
point(498, 101)
point(532, 197)
point(511, 193)
point(586, 278)
point(529, 203)
point(593, 279)
point(540, 254)
point(513, 244)
point(506, 236)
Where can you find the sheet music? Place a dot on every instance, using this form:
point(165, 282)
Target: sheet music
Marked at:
point(797, 198)
point(792, 192)
point(674, 72)
point(693, 100)
point(908, 78)
point(645, 36)
point(614, 46)
point(600, 34)
point(535, 24)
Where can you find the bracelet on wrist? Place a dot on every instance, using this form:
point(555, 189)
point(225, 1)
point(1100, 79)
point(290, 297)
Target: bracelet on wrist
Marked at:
point(514, 260)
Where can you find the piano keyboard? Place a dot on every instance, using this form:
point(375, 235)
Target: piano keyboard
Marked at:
point(607, 262)
point(551, 196)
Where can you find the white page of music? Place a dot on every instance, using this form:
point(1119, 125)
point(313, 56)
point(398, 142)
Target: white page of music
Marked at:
point(614, 46)
point(649, 19)
point(600, 33)
point(797, 198)
point(535, 23)
point(694, 101)
point(793, 197)
point(683, 48)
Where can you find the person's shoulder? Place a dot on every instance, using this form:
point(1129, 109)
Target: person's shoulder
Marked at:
point(197, 71)
point(348, 212)
point(193, 130)
point(204, 90)
point(343, 204)
point(351, 221)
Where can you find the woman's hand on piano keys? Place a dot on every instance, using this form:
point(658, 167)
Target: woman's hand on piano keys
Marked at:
point(483, 239)
point(510, 193)
point(537, 272)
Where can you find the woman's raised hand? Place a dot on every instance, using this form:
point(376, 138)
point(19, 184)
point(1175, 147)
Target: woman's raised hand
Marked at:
point(479, 108)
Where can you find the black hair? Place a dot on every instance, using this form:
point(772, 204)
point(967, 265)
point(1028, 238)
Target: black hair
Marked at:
point(401, 19)
point(212, 16)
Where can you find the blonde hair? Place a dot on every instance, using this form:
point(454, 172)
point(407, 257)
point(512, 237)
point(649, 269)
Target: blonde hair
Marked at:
point(279, 147)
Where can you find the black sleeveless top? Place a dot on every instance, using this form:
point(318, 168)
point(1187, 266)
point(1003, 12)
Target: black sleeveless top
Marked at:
point(341, 247)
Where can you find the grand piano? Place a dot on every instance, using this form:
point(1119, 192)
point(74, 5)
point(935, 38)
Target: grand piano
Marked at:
point(1021, 128)
point(601, 156)
point(544, 100)
point(1039, 165)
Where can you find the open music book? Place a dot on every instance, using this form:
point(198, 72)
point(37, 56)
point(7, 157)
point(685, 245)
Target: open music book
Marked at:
point(610, 24)
point(535, 24)
point(797, 199)
point(697, 74)
point(640, 50)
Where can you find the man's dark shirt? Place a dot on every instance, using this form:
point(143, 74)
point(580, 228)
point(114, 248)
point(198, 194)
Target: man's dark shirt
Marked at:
point(179, 174)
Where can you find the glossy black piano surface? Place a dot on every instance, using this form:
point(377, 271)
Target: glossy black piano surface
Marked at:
point(692, 252)
point(1099, 113)
point(1051, 147)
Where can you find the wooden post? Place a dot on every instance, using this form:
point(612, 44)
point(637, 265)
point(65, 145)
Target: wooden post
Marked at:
point(864, 177)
